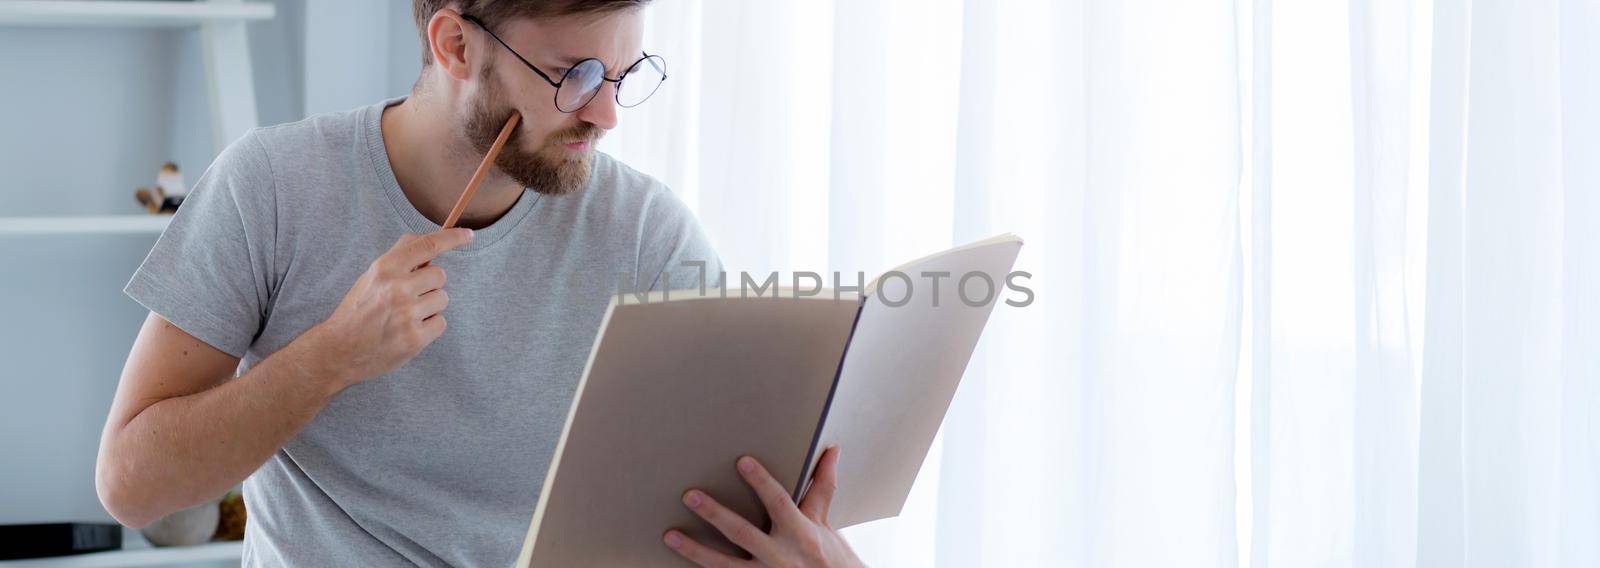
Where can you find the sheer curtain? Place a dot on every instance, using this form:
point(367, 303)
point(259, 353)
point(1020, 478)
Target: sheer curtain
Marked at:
point(1315, 280)
point(1428, 391)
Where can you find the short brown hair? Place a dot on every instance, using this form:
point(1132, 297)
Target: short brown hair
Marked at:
point(493, 12)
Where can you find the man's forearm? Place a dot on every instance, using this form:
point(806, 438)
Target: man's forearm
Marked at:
point(182, 451)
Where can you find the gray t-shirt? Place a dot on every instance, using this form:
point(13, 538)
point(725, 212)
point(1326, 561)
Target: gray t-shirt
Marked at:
point(441, 461)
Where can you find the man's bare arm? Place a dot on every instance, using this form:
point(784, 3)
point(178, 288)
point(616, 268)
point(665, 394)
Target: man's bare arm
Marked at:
point(181, 432)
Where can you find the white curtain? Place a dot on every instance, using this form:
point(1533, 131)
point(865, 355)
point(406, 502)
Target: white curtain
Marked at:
point(1318, 281)
point(1428, 392)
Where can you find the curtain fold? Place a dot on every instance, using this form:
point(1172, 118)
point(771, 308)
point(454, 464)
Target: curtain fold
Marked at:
point(1304, 440)
point(1515, 452)
point(1385, 397)
point(1440, 532)
point(961, 517)
point(1579, 403)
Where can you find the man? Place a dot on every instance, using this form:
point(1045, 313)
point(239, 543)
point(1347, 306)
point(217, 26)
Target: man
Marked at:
point(297, 339)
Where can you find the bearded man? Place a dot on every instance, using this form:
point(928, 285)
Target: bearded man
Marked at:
point(297, 338)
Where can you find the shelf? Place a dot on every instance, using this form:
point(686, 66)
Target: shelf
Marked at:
point(84, 225)
point(134, 13)
point(211, 552)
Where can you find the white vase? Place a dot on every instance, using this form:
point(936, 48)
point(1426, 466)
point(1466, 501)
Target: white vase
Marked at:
point(190, 526)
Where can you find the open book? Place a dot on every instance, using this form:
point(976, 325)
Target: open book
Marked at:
point(680, 384)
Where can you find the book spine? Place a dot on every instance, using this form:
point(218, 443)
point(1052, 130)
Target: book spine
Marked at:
point(816, 438)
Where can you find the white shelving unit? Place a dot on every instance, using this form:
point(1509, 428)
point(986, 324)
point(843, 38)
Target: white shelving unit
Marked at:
point(84, 224)
point(124, 13)
point(210, 553)
point(222, 27)
point(230, 85)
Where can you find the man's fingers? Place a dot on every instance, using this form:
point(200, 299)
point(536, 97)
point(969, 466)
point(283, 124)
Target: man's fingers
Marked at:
point(776, 499)
point(431, 303)
point(824, 481)
point(418, 250)
point(738, 530)
point(432, 328)
point(699, 554)
point(425, 279)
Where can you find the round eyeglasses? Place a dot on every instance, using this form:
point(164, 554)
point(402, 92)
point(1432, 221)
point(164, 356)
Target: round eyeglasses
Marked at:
point(581, 82)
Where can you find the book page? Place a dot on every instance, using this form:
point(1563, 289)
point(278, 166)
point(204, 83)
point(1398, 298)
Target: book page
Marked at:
point(900, 372)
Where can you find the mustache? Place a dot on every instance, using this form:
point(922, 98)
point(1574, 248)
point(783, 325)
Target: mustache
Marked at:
point(581, 133)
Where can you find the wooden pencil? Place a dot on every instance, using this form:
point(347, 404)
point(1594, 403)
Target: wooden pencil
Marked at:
point(483, 170)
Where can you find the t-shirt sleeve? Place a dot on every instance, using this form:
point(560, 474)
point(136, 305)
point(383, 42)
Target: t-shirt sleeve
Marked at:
point(211, 272)
point(674, 247)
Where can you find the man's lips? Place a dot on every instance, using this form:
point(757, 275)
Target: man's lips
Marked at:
point(578, 146)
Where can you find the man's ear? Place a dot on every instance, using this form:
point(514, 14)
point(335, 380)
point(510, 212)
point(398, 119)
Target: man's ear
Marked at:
point(447, 40)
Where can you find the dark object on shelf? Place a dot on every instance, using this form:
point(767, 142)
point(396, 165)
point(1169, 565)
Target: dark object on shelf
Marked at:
point(231, 526)
point(168, 193)
point(57, 539)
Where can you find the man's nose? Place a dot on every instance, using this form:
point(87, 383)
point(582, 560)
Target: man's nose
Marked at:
point(602, 110)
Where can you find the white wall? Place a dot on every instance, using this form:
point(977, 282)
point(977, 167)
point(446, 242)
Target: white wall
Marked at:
point(357, 52)
point(67, 330)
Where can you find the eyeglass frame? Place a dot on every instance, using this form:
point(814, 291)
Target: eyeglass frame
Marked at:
point(555, 98)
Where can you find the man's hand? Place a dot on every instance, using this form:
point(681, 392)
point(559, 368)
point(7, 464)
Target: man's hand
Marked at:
point(392, 311)
point(800, 535)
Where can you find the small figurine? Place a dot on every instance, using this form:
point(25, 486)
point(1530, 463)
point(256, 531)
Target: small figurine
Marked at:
point(168, 193)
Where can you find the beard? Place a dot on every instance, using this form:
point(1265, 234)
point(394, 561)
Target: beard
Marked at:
point(547, 168)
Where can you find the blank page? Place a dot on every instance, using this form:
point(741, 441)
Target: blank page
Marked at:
point(900, 373)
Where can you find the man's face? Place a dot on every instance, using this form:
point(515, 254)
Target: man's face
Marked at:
point(550, 151)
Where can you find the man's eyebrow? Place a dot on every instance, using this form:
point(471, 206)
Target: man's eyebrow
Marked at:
point(566, 61)
point(562, 63)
